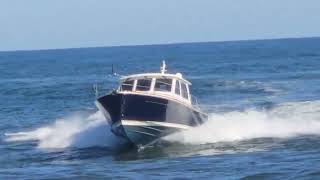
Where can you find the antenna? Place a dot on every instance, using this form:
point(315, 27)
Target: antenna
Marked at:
point(163, 67)
point(96, 90)
point(113, 72)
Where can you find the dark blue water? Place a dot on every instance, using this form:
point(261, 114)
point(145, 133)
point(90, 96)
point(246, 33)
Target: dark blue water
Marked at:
point(263, 98)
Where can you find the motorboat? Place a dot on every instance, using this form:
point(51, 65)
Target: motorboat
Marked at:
point(148, 106)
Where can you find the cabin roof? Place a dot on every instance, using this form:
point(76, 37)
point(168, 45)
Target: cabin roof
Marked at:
point(155, 75)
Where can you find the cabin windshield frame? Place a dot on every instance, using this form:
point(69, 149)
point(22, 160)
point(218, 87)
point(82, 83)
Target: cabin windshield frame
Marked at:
point(125, 85)
point(143, 84)
point(161, 85)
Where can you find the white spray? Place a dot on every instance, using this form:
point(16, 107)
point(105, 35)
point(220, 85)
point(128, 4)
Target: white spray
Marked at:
point(75, 131)
point(284, 120)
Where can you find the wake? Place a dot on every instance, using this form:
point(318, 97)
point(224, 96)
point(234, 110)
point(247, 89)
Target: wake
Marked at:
point(283, 121)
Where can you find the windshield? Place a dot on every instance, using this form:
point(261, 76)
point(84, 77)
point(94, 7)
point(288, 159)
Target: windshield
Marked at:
point(184, 91)
point(127, 85)
point(143, 84)
point(163, 85)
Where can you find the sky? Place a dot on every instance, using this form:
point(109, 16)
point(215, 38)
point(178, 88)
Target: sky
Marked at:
point(55, 24)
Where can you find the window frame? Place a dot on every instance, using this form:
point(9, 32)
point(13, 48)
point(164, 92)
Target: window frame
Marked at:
point(177, 84)
point(182, 91)
point(160, 81)
point(137, 86)
point(127, 84)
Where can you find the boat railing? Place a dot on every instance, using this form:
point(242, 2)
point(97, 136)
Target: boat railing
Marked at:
point(195, 102)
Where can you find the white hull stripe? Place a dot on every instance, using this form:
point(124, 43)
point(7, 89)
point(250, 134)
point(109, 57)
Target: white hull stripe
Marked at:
point(155, 129)
point(153, 123)
point(145, 133)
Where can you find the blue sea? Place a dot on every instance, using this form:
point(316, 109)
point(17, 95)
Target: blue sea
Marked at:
point(262, 97)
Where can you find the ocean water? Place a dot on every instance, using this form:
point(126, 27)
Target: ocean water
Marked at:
point(262, 97)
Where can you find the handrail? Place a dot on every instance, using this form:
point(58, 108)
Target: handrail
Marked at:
point(195, 102)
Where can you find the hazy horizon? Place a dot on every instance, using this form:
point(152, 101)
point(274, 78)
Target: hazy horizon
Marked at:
point(174, 43)
point(38, 24)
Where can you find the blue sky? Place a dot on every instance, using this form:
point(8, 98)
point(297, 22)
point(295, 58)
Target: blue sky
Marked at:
point(46, 24)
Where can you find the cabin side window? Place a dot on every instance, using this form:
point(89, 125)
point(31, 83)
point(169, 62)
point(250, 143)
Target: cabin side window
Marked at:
point(177, 88)
point(163, 85)
point(184, 91)
point(143, 85)
point(127, 85)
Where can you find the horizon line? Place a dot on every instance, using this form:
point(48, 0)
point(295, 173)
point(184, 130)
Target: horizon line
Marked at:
point(158, 44)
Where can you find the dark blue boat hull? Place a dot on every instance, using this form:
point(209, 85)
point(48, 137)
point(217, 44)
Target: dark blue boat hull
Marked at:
point(143, 119)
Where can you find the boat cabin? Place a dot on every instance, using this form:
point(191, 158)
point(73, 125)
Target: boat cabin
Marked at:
point(172, 86)
point(159, 84)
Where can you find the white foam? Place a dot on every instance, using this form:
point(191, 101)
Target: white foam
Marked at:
point(75, 131)
point(285, 120)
